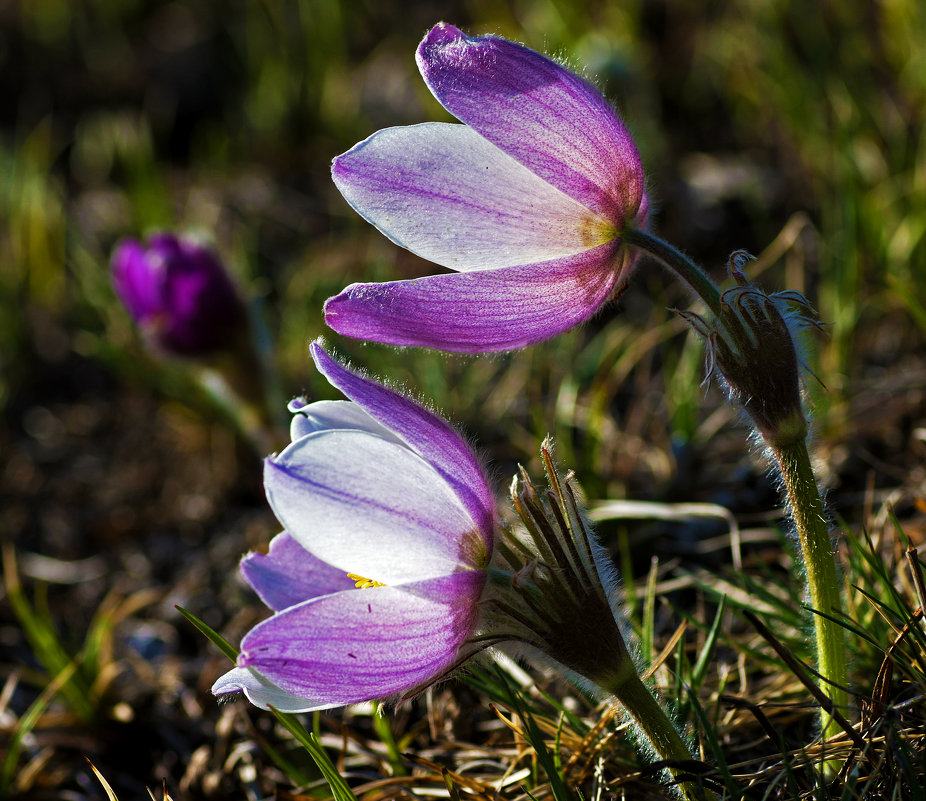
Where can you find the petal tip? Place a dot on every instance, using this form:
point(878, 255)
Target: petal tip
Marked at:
point(330, 306)
point(337, 312)
point(442, 33)
point(317, 346)
point(338, 167)
point(230, 682)
point(321, 357)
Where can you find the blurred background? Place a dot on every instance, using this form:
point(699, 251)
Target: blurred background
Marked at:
point(794, 130)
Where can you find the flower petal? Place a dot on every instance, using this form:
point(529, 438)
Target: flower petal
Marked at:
point(325, 415)
point(482, 311)
point(447, 194)
point(429, 435)
point(363, 644)
point(370, 507)
point(548, 119)
point(289, 574)
point(137, 284)
point(263, 693)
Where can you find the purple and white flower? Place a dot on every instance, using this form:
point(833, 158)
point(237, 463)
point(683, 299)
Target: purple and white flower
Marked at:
point(375, 582)
point(526, 202)
point(178, 294)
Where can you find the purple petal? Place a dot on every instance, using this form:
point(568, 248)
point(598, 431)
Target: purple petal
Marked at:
point(263, 693)
point(289, 574)
point(447, 194)
point(137, 285)
point(364, 644)
point(371, 507)
point(550, 120)
point(488, 310)
point(429, 435)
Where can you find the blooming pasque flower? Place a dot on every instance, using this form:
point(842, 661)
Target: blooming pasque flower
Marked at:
point(375, 582)
point(526, 202)
point(178, 293)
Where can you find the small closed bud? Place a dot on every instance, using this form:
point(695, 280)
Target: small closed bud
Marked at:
point(554, 588)
point(752, 345)
point(178, 294)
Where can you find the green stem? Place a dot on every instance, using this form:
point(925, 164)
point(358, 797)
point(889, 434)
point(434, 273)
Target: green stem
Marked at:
point(661, 732)
point(790, 451)
point(822, 577)
point(679, 263)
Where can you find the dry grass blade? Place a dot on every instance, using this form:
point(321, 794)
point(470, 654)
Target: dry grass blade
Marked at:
point(801, 672)
point(881, 691)
point(667, 651)
point(107, 789)
point(916, 571)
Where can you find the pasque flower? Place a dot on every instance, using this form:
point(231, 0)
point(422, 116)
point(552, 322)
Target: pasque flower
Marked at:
point(375, 582)
point(178, 293)
point(526, 202)
point(393, 569)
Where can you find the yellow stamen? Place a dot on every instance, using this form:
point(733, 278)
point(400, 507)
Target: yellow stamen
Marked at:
point(364, 583)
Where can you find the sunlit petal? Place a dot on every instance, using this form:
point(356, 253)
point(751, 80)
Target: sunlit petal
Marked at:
point(479, 311)
point(449, 195)
point(549, 119)
point(428, 434)
point(363, 644)
point(369, 506)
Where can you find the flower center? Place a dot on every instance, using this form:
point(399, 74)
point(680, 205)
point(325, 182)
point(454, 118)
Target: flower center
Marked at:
point(362, 583)
point(596, 231)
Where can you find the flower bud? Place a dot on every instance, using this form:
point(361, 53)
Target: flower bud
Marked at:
point(178, 294)
point(752, 345)
point(554, 588)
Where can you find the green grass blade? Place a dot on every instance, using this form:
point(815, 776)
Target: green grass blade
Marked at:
point(707, 652)
point(26, 723)
point(340, 790)
point(734, 791)
point(213, 636)
point(558, 787)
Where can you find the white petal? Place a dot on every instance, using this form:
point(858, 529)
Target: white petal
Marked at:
point(449, 195)
point(325, 415)
point(263, 693)
point(370, 507)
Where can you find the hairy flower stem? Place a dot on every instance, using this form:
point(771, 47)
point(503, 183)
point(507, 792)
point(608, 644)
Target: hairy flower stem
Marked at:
point(751, 345)
point(822, 578)
point(663, 736)
point(679, 264)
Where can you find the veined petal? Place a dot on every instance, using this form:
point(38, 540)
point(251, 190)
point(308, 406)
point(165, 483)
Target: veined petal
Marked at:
point(429, 435)
point(325, 415)
point(289, 574)
point(548, 119)
point(475, 312)
point(363, 644)
point(265, 694)
point(371, 507)
point(447, 194)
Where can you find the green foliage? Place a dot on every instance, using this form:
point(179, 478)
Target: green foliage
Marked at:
point(503, 691)
point(308, 740)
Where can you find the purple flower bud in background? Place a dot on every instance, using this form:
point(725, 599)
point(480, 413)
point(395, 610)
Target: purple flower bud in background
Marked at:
point(178, 294)
point(376, 581)
point(527, 202)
